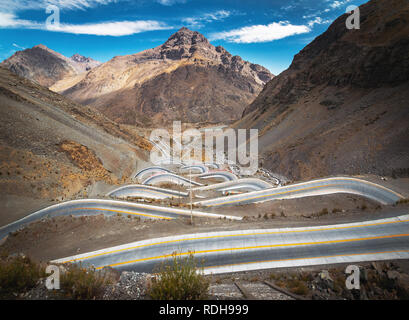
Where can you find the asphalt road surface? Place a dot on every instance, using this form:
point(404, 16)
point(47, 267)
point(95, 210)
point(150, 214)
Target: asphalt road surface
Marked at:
point(311, 188)
point(263, 248)
point(106, 207)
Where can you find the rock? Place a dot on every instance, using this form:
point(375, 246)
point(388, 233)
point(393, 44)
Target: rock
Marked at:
point(315, 296)
point(356, 294)
point(377, 267)
point(392, 275)
point(401, 280)
point(17, 255)
point(377, 291)
point(348, 295)
point(363, 275)
point(363, 295)
point(324, 281)
point(324, 275)
point(131, 286)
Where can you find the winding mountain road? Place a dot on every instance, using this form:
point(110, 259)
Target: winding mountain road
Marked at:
point(150, 171)
point(199, 168)
point(224, 175)
point(170, 178)
point(107, 207)
point(311, 188)
point(245, 184)
point(240, 250)
point(138, 190)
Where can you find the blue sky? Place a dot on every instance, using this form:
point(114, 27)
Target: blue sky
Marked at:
point(269, 32)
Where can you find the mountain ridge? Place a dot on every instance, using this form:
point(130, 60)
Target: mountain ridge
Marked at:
point(46, 66)
point(340, 106)
point(186, 78)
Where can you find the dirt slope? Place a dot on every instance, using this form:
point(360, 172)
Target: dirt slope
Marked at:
point(51, 148)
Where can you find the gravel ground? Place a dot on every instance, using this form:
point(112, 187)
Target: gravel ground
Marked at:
point(131, 286)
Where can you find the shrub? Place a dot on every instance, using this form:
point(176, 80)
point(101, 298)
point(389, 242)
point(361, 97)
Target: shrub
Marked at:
point(298, 287)
point(82, 283)
point(179, 280)
point(17, 275)
point(273, 276)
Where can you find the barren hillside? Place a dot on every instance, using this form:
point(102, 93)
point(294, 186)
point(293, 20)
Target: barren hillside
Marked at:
point(342, 107)
point(45, 66)
point(51, 148)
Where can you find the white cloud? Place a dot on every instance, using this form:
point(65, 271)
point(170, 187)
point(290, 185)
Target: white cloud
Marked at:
point(17, 46)
point(170, 2)
point(10, 20)
point(287, 8)
point(337, 4)
point(261, 33)
point(115, 28)
point(318, 20)
point(207, 17)
point(111, 28)
point(19, 5)
point(308, 16)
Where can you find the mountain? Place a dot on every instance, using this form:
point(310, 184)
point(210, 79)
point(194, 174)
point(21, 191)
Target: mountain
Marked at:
point(46, 66)
point(186, 79)
point(342, 107)
point(83, 63)
point(52, 148)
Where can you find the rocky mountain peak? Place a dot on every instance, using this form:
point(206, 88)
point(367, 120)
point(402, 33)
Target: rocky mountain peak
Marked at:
point(82, 63)
point(184, 43)
point(185, 37)
point(41, 46)
point(79, 58)
point(45, 48)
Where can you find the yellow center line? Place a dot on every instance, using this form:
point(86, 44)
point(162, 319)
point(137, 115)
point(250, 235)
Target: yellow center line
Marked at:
point(128, 212)
point(256, 247)
point(307, 258)
point(152, 191)
point(235, 235)
point(271, 194)
point(302, 189)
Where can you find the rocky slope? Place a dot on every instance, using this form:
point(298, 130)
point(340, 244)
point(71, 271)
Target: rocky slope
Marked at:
point(46, 66)
point(186, 79)
point(342, 105)
point(52, 148)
